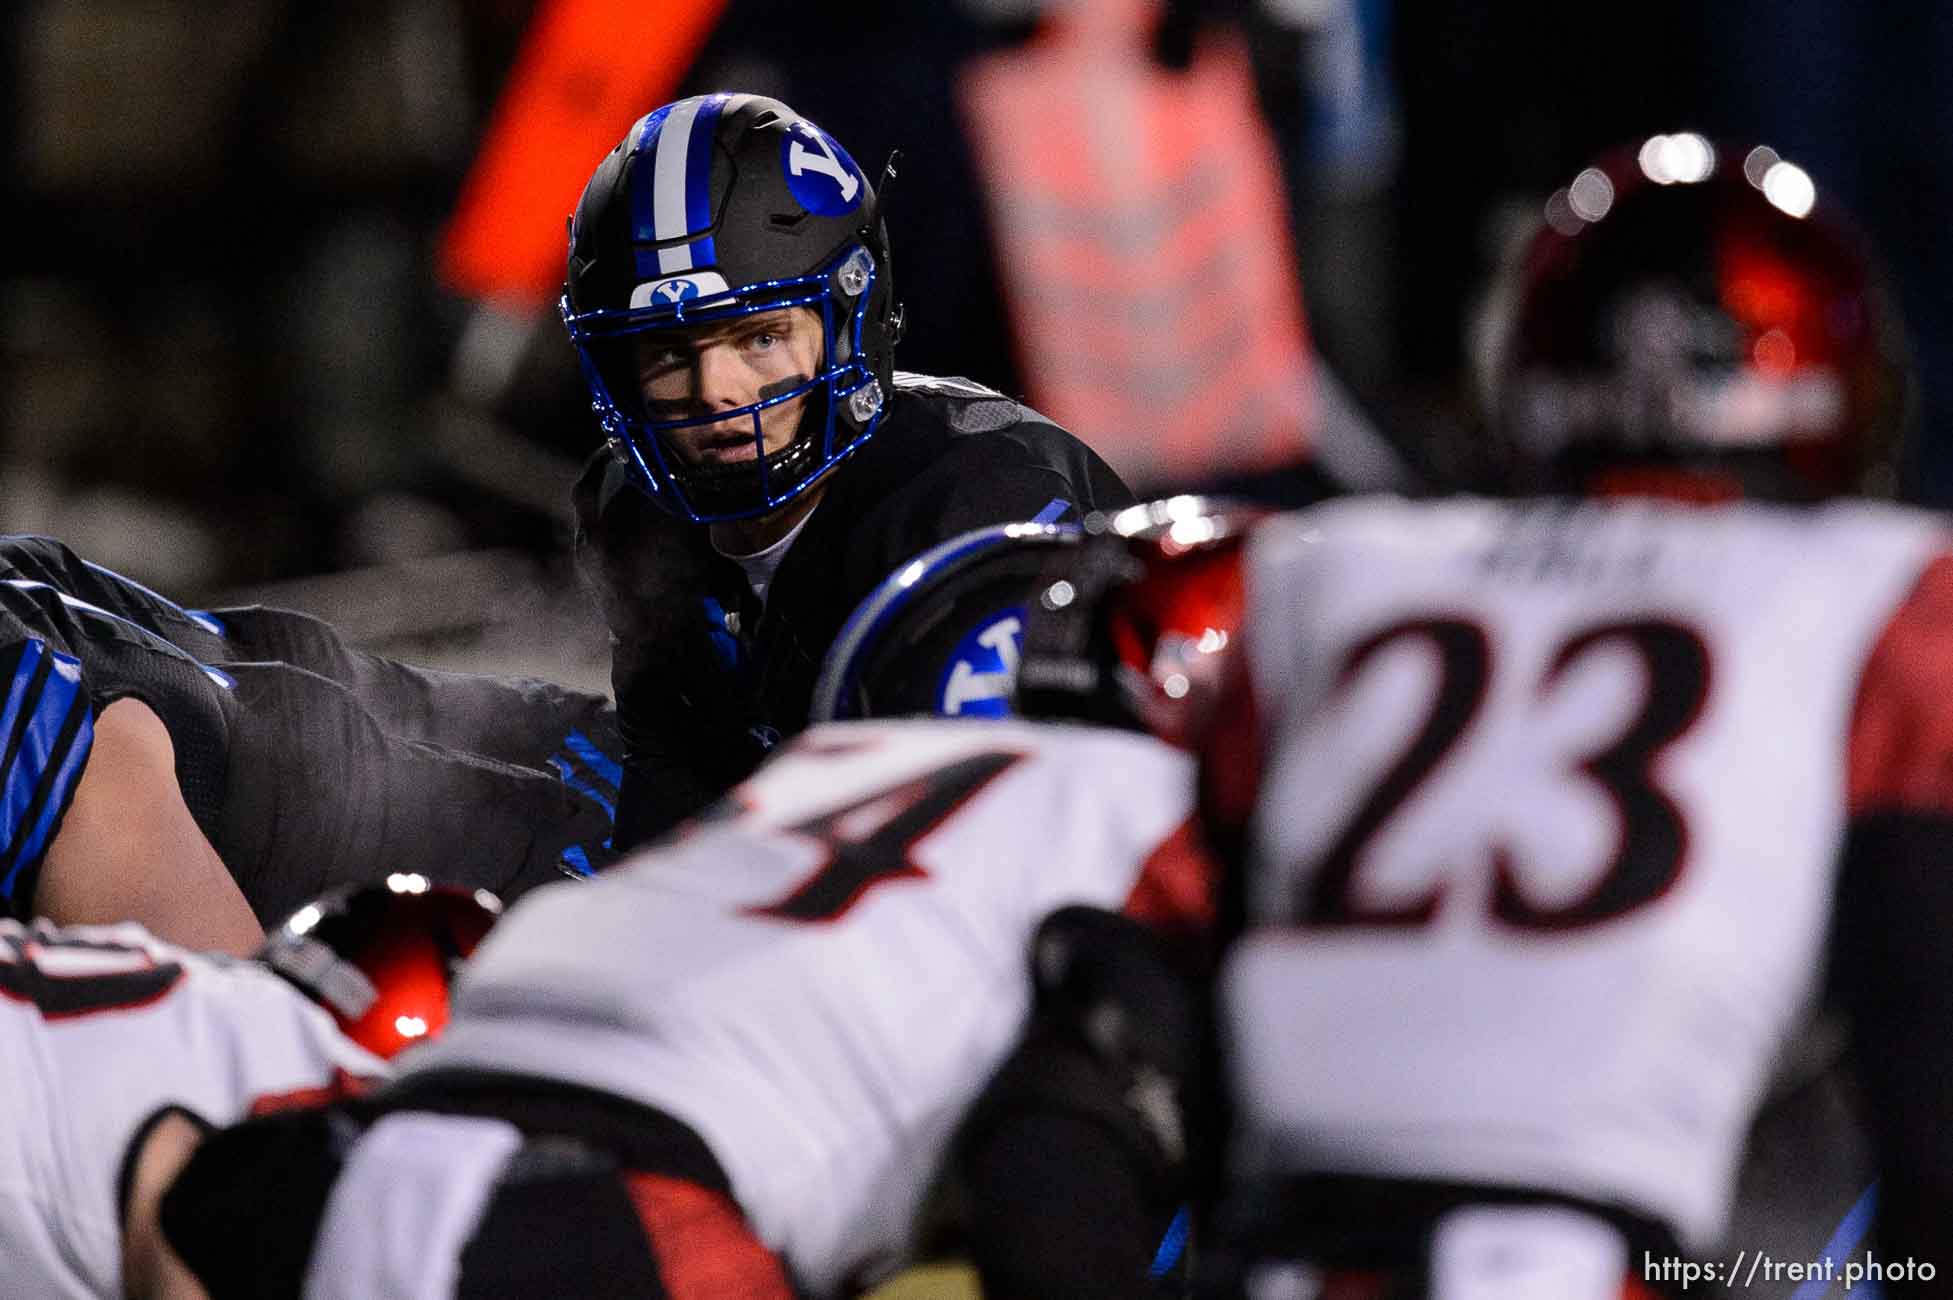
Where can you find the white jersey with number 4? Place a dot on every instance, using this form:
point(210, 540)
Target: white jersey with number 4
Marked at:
point(1550, 798)
point(100, 1028)
point(820, 984)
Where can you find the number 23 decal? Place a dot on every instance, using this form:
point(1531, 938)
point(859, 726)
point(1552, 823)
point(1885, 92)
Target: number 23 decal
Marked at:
point(1651, 848)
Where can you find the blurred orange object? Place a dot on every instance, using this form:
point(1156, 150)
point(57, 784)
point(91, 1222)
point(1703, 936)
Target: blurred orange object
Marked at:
point(587, 69)
point(1144, 246)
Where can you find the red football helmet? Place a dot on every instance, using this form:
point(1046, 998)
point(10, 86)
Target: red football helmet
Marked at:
point(1696, 318)
point(381, 958)
point(1135, 629)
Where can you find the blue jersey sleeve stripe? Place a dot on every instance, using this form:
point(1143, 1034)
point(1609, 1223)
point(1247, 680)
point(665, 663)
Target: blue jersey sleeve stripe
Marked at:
point(24, 669)
point(1053, 509)
point(572, 780)
point(56, 730)
point(56, 803)
point(1172, 1245)
point(601, 763)
point(38, 747)
point(1844, 1239)
point(24, 766)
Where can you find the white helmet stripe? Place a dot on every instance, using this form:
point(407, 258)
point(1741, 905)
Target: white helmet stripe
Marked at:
point(668, 185)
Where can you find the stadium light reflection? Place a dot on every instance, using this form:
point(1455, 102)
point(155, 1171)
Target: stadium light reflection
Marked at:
point(1561, 216)
point(1790, 188)
point(1681, 159)
point(1758, 164)
point(1591, 194)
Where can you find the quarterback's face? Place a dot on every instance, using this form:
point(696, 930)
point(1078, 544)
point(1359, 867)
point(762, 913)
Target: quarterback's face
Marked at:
point(689, 374)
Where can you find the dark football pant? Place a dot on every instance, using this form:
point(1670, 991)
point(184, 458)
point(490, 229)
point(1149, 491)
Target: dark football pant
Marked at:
point(346, 766)
point(462, 731)
point(318, 795)
point(605, 1199)
point(521, 720)
point(625, 1235)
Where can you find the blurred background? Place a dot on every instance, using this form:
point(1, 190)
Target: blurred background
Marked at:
point(277, 317)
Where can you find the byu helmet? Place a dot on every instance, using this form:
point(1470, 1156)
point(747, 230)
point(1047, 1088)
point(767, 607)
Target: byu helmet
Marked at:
point(941, 634)
point(710, 209)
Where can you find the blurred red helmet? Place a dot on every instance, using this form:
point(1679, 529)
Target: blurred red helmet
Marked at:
point(381, 958)
point(1133, 628)
point(1696, 318)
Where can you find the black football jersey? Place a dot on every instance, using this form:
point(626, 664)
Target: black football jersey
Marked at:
point(706, 679)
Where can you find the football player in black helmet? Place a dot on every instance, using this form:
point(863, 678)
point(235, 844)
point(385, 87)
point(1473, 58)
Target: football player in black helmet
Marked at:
point(731, 300)
point(1126, 623)
point(1694, 323)
point(652, 1182)
point(730, 297)
point(944, 635)
point(1694, 318)
point(1700, 319)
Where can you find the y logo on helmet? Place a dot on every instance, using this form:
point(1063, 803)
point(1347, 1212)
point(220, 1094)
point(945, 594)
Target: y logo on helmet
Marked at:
point(820, 175)
point(675, 289)
point(981, 669)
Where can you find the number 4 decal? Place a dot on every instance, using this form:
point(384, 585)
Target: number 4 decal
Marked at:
point(1652, 847)
point(872, 840)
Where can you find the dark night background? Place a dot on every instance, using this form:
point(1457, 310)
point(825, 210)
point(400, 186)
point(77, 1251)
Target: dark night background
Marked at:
point(228, 363)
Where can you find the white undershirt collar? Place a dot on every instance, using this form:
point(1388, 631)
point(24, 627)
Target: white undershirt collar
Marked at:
point(760, 566)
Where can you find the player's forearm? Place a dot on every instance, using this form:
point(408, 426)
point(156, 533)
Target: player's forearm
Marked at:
point(150, 1269)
